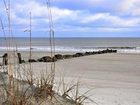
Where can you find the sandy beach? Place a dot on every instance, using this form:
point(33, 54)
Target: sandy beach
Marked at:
point(113, 78)
point(70, 52)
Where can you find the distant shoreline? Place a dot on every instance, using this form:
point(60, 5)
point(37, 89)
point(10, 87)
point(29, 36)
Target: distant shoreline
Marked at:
point(75, 44)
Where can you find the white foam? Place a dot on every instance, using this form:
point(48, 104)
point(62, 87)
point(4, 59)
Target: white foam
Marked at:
point(68, 49)
point(134, 51)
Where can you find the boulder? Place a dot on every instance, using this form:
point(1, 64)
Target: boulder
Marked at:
point(54, 59)
point(5, 59)
point(93, 52)
point(45, 59)
point(114, 51)
point(78, 55)
point(88, 53)
point(67, 56)
point(99, 52)
point(108, 51)
point(5, 55)
point(19, 58)
point(104, 51)
point(32, 60)
point(58, 56)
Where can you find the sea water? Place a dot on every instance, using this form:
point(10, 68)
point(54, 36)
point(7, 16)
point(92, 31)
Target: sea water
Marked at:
point(123, 45)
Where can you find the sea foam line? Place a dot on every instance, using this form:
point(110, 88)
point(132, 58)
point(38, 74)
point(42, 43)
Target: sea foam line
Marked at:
point(73, 49)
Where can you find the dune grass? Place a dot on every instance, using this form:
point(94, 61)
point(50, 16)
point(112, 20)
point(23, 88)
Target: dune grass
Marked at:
point(39, 91)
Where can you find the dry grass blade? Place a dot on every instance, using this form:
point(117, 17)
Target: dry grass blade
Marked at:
point(73, 93)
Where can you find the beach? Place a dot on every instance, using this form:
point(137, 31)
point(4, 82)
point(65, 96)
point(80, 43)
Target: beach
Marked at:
point(70, 52)
point(114, 79)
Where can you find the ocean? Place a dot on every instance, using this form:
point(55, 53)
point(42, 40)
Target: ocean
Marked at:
point(123, 45)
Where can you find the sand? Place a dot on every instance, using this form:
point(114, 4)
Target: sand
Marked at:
point(113, 78)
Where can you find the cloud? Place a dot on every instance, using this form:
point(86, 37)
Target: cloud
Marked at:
point(69, 17)
point(131, 7)
point(79, 15)
point(64, 14)
point(106, 19)
point(41, 11)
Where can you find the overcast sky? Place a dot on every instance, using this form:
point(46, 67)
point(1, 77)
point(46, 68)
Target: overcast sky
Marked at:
point(75, 18)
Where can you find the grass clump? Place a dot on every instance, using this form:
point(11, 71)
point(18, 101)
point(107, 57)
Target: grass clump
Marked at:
point(41, 91)
point(72, 91)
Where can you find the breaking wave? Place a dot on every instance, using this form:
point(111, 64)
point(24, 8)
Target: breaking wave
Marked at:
point(73, 49)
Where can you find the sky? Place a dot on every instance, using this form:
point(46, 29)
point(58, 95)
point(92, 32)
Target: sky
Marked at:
point(73, 18)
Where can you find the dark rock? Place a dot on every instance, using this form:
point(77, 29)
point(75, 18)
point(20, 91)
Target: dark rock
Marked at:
point(108, 51)
point(5, 59)
point(40, 60)
point(54, 59)
point(59, 56)
point(45, 59)
point(67, 56)
point(99, 52)
point(5, 55)
point(114, 51)
point(78, 55)
point(104, 51)
point(93, 52)
point(88, 53)
point(19, 58)
point(32, 60)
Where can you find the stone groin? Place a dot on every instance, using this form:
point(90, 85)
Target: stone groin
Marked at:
point(56, 57)
point(69, 56)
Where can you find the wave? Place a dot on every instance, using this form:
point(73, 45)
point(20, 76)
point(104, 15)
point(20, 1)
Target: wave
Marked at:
point(73, 49)
point(135, 50)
